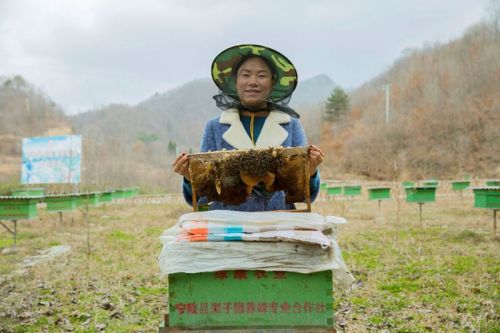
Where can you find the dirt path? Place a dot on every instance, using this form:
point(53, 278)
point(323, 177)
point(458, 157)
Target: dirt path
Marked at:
point(43, 256)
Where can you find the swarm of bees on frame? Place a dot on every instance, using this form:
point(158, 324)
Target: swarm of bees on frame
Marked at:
point(231, 176)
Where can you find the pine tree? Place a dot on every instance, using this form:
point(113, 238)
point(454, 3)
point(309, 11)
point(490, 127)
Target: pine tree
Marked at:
point(337, 105)
point(172, 147)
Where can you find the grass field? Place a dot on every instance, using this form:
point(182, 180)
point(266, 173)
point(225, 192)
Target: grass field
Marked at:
point(443, 277)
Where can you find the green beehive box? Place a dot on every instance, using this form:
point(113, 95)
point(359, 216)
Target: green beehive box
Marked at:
point(408, 184)
point(250, 299)
point(352, 190)
point(430, 183)
point(26, 192)
point(91, 199)
point(421, 194)
point(106, 196)
point(459, 185)
point(130, 192)
point(487, 197)
point(493, 183)
point(323, 186)
point(379, 193)
point(18, 208)
point(334, 190)
point(119, 193)
point(61, 203)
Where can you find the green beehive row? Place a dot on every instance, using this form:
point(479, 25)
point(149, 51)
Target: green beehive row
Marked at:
point(123, 193)
point(493, 183)
point(323, 186)
point(119, 193)
point(27, 192)
point(91, 199)
point(352, 190)
point(106, 196)
point(250, 299)
point(379, 193)
point(128, 192)
point(61, 203)
point(420, 194)
point(460, 185)
point(487, 197)
point(22, 203)
point(334, 190)
point(132, 192)
point(18, 208)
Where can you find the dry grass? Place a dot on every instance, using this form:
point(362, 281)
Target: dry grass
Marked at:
point(441, 278)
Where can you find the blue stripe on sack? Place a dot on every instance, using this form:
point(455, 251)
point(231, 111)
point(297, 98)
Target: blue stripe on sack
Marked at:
point(234, 230)
point(232, 238)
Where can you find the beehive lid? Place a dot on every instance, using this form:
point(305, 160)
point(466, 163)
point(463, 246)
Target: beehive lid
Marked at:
point(62, 195)
point(25, 197)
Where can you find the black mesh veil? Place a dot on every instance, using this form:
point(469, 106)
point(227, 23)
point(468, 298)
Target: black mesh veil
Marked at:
point(226, 102)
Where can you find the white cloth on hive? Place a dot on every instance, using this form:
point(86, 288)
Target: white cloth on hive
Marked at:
point(306, 255)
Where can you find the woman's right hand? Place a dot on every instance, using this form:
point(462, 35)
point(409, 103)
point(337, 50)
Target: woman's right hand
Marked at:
point(181, 165)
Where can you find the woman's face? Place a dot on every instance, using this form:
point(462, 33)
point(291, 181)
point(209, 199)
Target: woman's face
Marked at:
point(254, 82)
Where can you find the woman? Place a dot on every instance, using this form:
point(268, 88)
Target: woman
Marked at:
point(256, 83)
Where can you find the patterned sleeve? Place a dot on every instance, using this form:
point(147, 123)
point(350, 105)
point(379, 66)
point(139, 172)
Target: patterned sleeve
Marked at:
point(208, 142)
point(299, 139)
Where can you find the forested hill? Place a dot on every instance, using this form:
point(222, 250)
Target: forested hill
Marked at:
point(24, 112)
point(444, 116)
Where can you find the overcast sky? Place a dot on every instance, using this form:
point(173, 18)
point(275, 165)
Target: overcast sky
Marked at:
point(88, 53)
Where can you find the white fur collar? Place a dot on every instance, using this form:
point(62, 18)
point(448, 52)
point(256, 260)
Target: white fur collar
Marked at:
point(272, 133)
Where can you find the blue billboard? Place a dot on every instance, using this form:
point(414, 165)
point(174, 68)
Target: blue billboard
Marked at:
point(52, 159)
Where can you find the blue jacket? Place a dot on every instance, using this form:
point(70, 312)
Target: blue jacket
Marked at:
point(227, 132)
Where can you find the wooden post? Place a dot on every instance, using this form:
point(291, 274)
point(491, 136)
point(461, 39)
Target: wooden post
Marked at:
point(194, 200)
point(463, 209)
point(87, 222)
point(420, 204)
point(13, 232)
point(494, 222)
point(308, 180)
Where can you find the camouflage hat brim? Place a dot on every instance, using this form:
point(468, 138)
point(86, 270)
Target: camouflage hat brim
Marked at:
point(223, 68)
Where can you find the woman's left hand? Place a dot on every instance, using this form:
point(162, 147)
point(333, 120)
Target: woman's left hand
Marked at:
point(315, 158)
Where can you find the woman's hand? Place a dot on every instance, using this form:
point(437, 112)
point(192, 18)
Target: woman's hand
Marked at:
point(315, 158)
point(181, 165)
